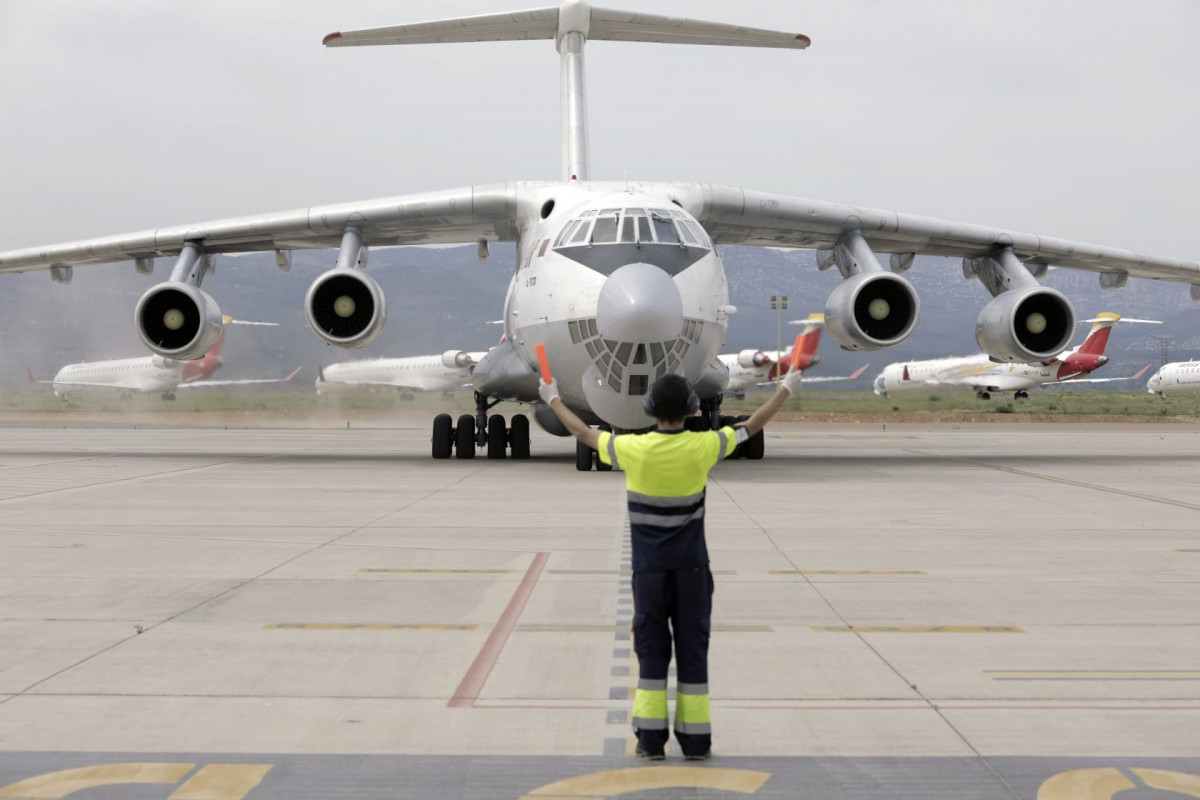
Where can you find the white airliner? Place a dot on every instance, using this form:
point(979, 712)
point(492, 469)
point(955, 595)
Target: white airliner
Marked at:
point(447, 372)
point(1178, 376)
point(621, 279)
point(985, 376)
point(145, 374)
point(750, 368)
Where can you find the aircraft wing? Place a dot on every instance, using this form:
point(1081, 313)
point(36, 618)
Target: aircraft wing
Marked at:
point(733, 215)
point(1133, 377)
point(207, 384)
point(455, 216)
point(824, 378)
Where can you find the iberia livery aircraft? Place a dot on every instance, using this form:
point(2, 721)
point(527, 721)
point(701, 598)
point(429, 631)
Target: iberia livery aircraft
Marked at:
point(128, 376)
point(447, 372)
point(620, 280)
point(985, 376)
point(750, 368)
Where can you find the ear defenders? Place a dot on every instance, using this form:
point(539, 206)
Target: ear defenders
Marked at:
point(693, 404)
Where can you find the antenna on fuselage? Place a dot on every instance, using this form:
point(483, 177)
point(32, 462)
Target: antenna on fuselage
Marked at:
point(571, 24)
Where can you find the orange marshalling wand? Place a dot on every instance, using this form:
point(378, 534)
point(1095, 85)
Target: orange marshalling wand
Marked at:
point(543, 362)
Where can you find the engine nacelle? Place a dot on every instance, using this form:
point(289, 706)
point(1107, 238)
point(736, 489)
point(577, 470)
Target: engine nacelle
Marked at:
point(872, 310)
point(749, 359)
point(345, 307)
point(177, 320)
point(548, 421)
point(1031, 324)
point(456, 358)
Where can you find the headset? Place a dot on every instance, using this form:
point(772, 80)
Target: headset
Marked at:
point(693, 404)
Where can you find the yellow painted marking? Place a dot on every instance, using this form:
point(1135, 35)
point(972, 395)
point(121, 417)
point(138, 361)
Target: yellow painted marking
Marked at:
point(556, 628)
point(365, 626)
point(222, 782)
point(917, 629)
point(618, 572)
point(443, 571)
point(641, 779)
point(54, 785)
point(1084, 784)
point(1080, 484)
point(1170, 781)
point(847, 572)
point(1094, 675)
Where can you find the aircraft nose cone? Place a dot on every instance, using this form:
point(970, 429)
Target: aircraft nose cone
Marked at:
point(639, 303)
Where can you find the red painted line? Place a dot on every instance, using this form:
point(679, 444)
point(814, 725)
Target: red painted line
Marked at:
point(472, 683)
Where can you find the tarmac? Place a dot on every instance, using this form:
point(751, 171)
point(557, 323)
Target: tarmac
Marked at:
point(912, 611)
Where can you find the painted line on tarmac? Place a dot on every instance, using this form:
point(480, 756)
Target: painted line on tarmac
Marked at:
point(847, 572)
point(1093, 675)
point(1080, 484)
point(429, 570)
point(366, 626)
point(471, 686)
point(916, 629)
point(618, 572)
point(569, 628)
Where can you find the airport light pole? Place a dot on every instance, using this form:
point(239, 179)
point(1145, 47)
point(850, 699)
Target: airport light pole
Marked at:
point(779, 303)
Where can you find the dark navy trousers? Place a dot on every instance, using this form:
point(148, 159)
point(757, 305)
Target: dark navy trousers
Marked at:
point(674, 608)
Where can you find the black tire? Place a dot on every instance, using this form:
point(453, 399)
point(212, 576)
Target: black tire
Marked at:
point(740, 450)
point(756, 446)
point(443, 436)
point(600, 465)
point(497, 437)
point(727, 420)
point(518, 436)
point(583, 457)
point(464, 437)
point(696, 424)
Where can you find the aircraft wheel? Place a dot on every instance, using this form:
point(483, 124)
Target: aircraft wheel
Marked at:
point(518, 436)
point(696, 424)
point(740, 450)
point(583, 457)
point(497, 437)
point(727, 420)
point(443, 435)
point(756, 445)
point(464, 437)
point(985, 396)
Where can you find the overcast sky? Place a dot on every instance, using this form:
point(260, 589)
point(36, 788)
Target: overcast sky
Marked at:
point(1054, 116)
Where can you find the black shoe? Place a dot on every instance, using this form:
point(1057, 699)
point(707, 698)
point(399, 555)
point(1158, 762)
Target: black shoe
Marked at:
point(650, 755)
point(698, 756)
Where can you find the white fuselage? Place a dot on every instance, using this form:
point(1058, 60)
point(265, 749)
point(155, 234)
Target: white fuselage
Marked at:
point(1178, 376)
point(743, 378)
point(145, 374)
point(622, 287)
point(967, 371)
point(417, 373)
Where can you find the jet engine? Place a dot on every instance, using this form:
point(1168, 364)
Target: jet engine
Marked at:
point(345, 307)
point(177, 320)
point(1026, 321)
point(456, 358)
point(871, 310)
point(1031, 324)
point(748, 359)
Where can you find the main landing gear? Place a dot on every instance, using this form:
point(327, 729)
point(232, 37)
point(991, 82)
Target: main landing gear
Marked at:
point(481, 430)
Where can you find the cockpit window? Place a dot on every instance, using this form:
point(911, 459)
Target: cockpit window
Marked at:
point(605, 231)
point(639, 226)
point(665, 229)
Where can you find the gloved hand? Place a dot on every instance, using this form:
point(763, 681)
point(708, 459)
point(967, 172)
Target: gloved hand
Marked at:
point(547, 391)
point(791, 381)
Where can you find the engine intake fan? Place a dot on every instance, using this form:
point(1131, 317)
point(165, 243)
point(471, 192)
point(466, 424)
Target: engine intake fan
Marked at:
point(177, 320)
point(345, 307)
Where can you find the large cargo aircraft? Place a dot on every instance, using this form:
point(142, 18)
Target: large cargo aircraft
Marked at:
point(621, 280)
point(985, 376)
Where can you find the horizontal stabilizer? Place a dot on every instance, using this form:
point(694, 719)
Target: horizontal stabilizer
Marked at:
point(553, 22)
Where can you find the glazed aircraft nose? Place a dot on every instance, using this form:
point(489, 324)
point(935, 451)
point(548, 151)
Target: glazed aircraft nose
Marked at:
point(879, 389)
point(639, 303)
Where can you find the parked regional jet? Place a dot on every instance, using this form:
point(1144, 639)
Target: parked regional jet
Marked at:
point(447, 372)
point(986, 376)
point(128, 376)
point(620, 280)
point(1178, 376)
point(750, 368)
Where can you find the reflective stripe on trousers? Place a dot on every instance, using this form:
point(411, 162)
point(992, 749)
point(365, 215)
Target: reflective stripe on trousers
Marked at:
point(650, 705)
point(692, 714)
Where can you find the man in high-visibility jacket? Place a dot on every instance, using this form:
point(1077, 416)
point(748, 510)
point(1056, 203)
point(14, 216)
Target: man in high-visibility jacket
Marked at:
point(666, 472)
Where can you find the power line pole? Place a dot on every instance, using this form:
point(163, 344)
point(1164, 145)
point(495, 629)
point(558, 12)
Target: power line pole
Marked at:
point(779, 303)
point(1164, 348)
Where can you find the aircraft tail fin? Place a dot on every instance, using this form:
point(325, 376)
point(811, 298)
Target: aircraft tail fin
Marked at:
point(1097, 338)
point(570, 25)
